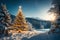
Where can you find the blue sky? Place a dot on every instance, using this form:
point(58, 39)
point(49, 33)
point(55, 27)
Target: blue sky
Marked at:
point(31, 8)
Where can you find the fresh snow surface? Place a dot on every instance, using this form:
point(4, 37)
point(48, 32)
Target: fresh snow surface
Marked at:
point(41, 34)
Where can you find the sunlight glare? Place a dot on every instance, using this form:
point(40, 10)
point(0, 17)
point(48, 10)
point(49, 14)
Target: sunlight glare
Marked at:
point(51, 17)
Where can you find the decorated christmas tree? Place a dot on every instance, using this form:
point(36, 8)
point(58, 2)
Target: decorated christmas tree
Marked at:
point(20, 22)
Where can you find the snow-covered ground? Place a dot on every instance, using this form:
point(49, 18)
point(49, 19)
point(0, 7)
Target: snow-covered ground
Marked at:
point(41, 34)
point(43, 30)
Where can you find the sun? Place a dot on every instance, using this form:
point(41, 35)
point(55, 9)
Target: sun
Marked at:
point(51, 17)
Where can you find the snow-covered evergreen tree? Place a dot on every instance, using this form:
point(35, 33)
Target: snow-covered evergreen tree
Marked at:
point(42, 27)
point(56, 10)
point(30, 27)
point(5, 19)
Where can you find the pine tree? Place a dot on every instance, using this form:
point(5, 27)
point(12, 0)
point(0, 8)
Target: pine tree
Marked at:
point(42, 27)
point(56, 11)
point(5, 19)
point(30, 27)
point(20, 22)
